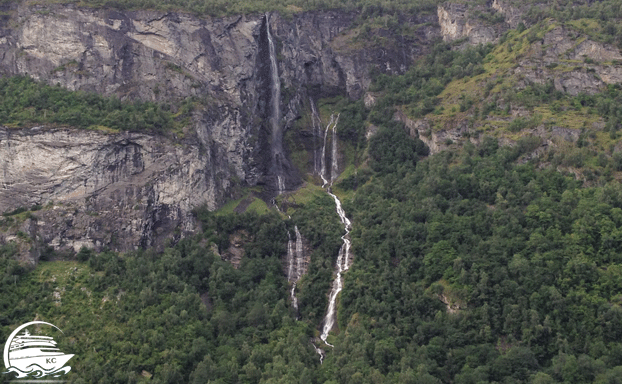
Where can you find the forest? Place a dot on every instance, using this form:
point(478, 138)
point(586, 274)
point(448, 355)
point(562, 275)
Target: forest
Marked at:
point(469, 268)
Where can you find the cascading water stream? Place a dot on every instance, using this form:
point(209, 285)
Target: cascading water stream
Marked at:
point(275, 118)
point(323, 158)
point(317, 123)
point(343, 264)
point(319, 352)
point(343, 259)
point(334, 166)
point(290, 257)
point(296, 268)
point(333, 122)
point(294, 263)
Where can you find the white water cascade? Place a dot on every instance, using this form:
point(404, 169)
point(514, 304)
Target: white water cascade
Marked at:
point(343, 259)
point(294, 263)
point(319, 352)
point(343, 264)
point(275, 118)
point(317, 131)
point(333, 122)
point(334, 171)
point(290, 256)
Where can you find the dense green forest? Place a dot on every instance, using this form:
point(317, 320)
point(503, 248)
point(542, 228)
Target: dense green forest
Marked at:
point(484, 271)
point(469, 268)
point(140, 315)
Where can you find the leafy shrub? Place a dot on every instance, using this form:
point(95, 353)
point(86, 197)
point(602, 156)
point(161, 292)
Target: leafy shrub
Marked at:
point(26, 102)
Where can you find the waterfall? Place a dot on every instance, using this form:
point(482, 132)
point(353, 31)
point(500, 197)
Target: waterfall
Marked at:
point(290, 256)
point(323, 172)
point(317, 123)
point(343, 264)
point(343, 258)
point(319, 352)
point(323, 158)
point(298, 269)
point(334, 167)
point(295, 260)
point(275, 118)
point(299, 255)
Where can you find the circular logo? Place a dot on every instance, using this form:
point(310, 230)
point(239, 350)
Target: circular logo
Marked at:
point(29, 355)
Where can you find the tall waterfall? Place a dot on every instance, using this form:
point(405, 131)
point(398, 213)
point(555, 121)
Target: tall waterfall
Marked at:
point(317, 123)
point(323, 172)
point(334, 171)
point(295, 260)
point(275, 118)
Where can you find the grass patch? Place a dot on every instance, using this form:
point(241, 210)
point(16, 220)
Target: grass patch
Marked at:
point(248, 203)
point(258, 206)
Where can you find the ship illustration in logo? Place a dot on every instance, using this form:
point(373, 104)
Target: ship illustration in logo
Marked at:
point(34, 356)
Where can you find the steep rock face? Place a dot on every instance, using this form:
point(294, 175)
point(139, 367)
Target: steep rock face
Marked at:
point(119, 190)
point(513, 15)
point(456, 24)
point(437, 141)
point(127, 190)
point(162, 56)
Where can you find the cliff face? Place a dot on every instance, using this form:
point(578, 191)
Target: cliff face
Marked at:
point(126, 190)
point(101, 190)
point(478, 24)
point(455, 24)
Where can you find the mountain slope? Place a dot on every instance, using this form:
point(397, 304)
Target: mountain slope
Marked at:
point(484, 200)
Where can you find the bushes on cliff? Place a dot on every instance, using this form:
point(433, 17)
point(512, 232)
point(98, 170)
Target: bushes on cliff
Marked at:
point(393, 150)
point(25, 102)
point(416, 91)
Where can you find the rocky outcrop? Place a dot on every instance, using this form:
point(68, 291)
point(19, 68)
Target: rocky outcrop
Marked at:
point(575, 63)
point(456, 24)
point(170, 56)
point(513, 15)
point(235, 252)
point(435, 140)
point(441, 139)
